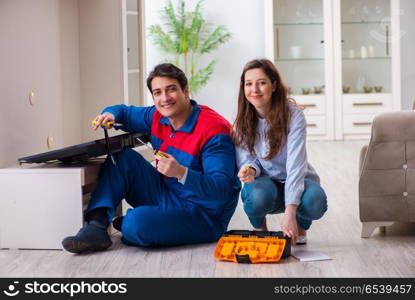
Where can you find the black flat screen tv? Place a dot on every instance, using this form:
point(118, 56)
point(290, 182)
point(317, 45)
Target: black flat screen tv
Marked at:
point(88, 150)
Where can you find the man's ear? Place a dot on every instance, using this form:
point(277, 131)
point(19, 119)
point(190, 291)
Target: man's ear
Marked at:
point(187, 92)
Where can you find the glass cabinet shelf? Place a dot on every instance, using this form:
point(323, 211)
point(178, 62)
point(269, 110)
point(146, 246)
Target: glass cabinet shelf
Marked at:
point(365, 22)
point(366, 58)
point(298, 59)
point(298, 24)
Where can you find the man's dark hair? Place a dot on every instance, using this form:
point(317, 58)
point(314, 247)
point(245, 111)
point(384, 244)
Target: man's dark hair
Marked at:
point(167, 70)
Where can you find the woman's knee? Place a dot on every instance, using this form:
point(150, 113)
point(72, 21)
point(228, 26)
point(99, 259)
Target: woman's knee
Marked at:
point(314, 201)
point(258, 197)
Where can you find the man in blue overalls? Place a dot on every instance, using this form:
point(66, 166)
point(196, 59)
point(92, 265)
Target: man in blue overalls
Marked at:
point(191, 194)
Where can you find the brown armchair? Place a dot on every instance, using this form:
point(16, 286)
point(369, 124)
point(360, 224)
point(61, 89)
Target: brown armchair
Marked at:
point(387, 172)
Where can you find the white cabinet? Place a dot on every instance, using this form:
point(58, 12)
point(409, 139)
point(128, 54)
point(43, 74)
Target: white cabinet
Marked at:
point(43, 204)
point(340, 59)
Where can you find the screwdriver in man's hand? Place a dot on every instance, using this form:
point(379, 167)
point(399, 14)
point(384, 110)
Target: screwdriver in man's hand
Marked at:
point(107, 124)
point(155, 152)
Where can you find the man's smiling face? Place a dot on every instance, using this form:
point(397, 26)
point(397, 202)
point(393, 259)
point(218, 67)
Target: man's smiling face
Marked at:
point(169, 98)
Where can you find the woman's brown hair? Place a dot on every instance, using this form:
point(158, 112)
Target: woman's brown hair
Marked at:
point(278, 117)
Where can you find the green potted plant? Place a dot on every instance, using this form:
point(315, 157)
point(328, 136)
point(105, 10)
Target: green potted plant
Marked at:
point(186, 37)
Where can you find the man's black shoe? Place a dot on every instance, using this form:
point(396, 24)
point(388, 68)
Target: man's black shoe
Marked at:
point(92, 237)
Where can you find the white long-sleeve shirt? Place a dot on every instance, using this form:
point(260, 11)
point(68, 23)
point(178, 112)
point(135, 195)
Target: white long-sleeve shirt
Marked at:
point(290, 165)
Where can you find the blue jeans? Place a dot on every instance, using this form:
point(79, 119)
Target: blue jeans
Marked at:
point(266, 196)
point(158, 216)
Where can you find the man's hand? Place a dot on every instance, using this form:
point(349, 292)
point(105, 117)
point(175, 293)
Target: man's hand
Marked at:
point(289, 223)
point(247, 174)
point(168, 166)
point(104, 118)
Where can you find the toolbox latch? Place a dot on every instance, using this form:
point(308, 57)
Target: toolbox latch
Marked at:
point(243, 258)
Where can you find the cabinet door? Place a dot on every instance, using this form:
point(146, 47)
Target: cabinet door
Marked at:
point(302, 51)
point(366, 46)
point(367, 43)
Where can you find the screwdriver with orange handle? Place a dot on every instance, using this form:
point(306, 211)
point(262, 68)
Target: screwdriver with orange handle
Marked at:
point(155, 151)
point(106, 126)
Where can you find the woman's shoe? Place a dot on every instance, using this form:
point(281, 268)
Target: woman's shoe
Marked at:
point(301, 240)
point(302, 236)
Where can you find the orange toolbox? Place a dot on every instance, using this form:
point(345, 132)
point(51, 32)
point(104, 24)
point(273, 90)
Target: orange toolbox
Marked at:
point(244, 246)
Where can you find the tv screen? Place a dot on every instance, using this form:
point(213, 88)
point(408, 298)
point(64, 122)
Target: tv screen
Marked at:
point(85, 151)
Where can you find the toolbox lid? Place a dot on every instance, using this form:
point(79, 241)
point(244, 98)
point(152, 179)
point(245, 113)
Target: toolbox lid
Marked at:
point(250, 248)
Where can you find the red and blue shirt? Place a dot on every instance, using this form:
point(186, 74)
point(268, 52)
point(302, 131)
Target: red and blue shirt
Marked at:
point(203, 145)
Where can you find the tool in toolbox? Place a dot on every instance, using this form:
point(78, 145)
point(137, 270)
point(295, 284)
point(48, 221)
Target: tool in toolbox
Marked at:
point(106, 126)
point(244, 246)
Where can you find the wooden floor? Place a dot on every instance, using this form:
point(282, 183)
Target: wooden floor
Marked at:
point(390, 254)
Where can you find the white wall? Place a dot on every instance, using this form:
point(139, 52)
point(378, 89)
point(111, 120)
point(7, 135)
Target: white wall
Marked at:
point(408, 53)
point(70, 71)
point(244, 19)
point(100, 43)
point(39, 53)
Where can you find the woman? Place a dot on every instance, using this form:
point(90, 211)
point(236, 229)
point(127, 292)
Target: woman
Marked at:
point(270, 138)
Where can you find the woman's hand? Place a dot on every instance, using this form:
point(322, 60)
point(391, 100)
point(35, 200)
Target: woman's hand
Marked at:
point(289, 223)
point(168, 166)
point(247, 174)
point(104, 118)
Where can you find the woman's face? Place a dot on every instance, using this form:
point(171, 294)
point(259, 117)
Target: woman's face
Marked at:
point(258, 90)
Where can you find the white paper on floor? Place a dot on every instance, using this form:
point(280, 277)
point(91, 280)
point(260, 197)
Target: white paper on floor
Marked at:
point(309, 255)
